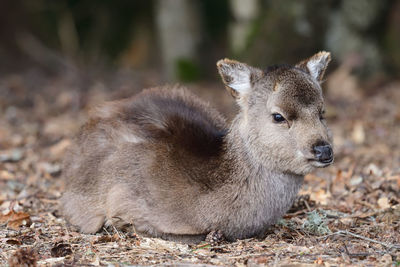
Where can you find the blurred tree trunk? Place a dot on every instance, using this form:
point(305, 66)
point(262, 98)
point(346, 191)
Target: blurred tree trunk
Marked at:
point(245, 13)
point(350, 34)
point(178, 26)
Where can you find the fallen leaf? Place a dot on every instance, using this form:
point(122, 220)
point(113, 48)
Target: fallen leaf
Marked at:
point(386, 260)
point(363, 215)
point(355, 180)
point(319, 261)
point(260, 260)
point(373, 169)
point(383, 203)
point(61, 250)
point(390, 215)
point(347, 221)
point(14, 242)
point(6, 175)
point(358, 134)
point(106, 239)
point(23, 257)
point(15, 220)
point(321, 196)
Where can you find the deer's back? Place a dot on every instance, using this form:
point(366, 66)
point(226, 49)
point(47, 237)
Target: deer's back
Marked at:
point(166, 130)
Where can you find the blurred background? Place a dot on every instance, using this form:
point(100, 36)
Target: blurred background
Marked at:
point(182, 39)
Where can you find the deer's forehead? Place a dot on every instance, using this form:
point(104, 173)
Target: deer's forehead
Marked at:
point(297, 96)
point(299, 90)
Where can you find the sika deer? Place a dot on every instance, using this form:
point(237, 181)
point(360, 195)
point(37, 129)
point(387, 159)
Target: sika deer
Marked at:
point(167, 163)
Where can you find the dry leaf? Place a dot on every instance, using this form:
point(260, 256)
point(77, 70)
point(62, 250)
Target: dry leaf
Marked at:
point(390, 215)
point(383, 203)
point(15, 220)
point(106, 239)
point(319, 261)
point(260, 260)
point(373, 169)
point(6, 175)
point(347, 221)
point(386, 260)
point(358, 134)
point(356, 180)
point(13, 242)
point(61, 250)
point(321, 196)
point(24, 257)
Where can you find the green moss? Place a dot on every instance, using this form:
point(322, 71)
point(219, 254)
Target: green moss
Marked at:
point(187, 70)
point(315, 223)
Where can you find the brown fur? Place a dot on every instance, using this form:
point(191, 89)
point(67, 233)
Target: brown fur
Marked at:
point(167, 163)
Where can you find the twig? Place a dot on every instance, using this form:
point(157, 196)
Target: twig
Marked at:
point(201, 246)
point(326, 236)
point(308, 206)
point(251, 255)
point(341, 232)
point(106, 231)
point(350, 172)
point(388, 245)
point(118, 233)
point(365, 203)
point(359, 255)
point(294, 214)
point(345, 248)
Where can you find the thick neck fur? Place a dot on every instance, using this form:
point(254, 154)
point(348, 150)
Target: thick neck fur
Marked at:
point(239, 155)
point(252, 190)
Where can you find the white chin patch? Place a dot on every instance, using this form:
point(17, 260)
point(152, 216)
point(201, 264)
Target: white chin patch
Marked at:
point(318, 164)
point(299, 154)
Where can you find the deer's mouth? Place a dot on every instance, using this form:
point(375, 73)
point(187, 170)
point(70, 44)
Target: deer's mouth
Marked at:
point(321, 163)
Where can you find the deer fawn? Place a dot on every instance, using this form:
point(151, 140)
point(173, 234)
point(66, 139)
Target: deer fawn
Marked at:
point(166, 163)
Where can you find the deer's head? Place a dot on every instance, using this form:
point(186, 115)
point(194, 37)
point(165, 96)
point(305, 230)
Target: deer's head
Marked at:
point(282, 112)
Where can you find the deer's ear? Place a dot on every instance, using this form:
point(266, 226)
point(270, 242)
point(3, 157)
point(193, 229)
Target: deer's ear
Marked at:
point(316, 65)
point(238, 77)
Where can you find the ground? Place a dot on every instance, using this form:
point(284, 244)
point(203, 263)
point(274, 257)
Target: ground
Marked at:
point(349, 213)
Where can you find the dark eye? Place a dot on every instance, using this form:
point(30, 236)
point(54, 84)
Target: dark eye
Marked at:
point(278, 118)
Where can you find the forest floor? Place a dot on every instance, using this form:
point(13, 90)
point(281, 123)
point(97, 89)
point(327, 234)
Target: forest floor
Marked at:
point(350, 213)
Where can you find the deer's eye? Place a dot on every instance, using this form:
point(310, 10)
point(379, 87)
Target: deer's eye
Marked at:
point(278, 118)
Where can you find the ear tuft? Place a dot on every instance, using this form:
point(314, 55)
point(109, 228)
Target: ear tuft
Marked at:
point(316, 65)
point(236, 76)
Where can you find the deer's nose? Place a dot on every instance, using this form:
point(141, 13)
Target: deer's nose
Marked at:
point(323, 153)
